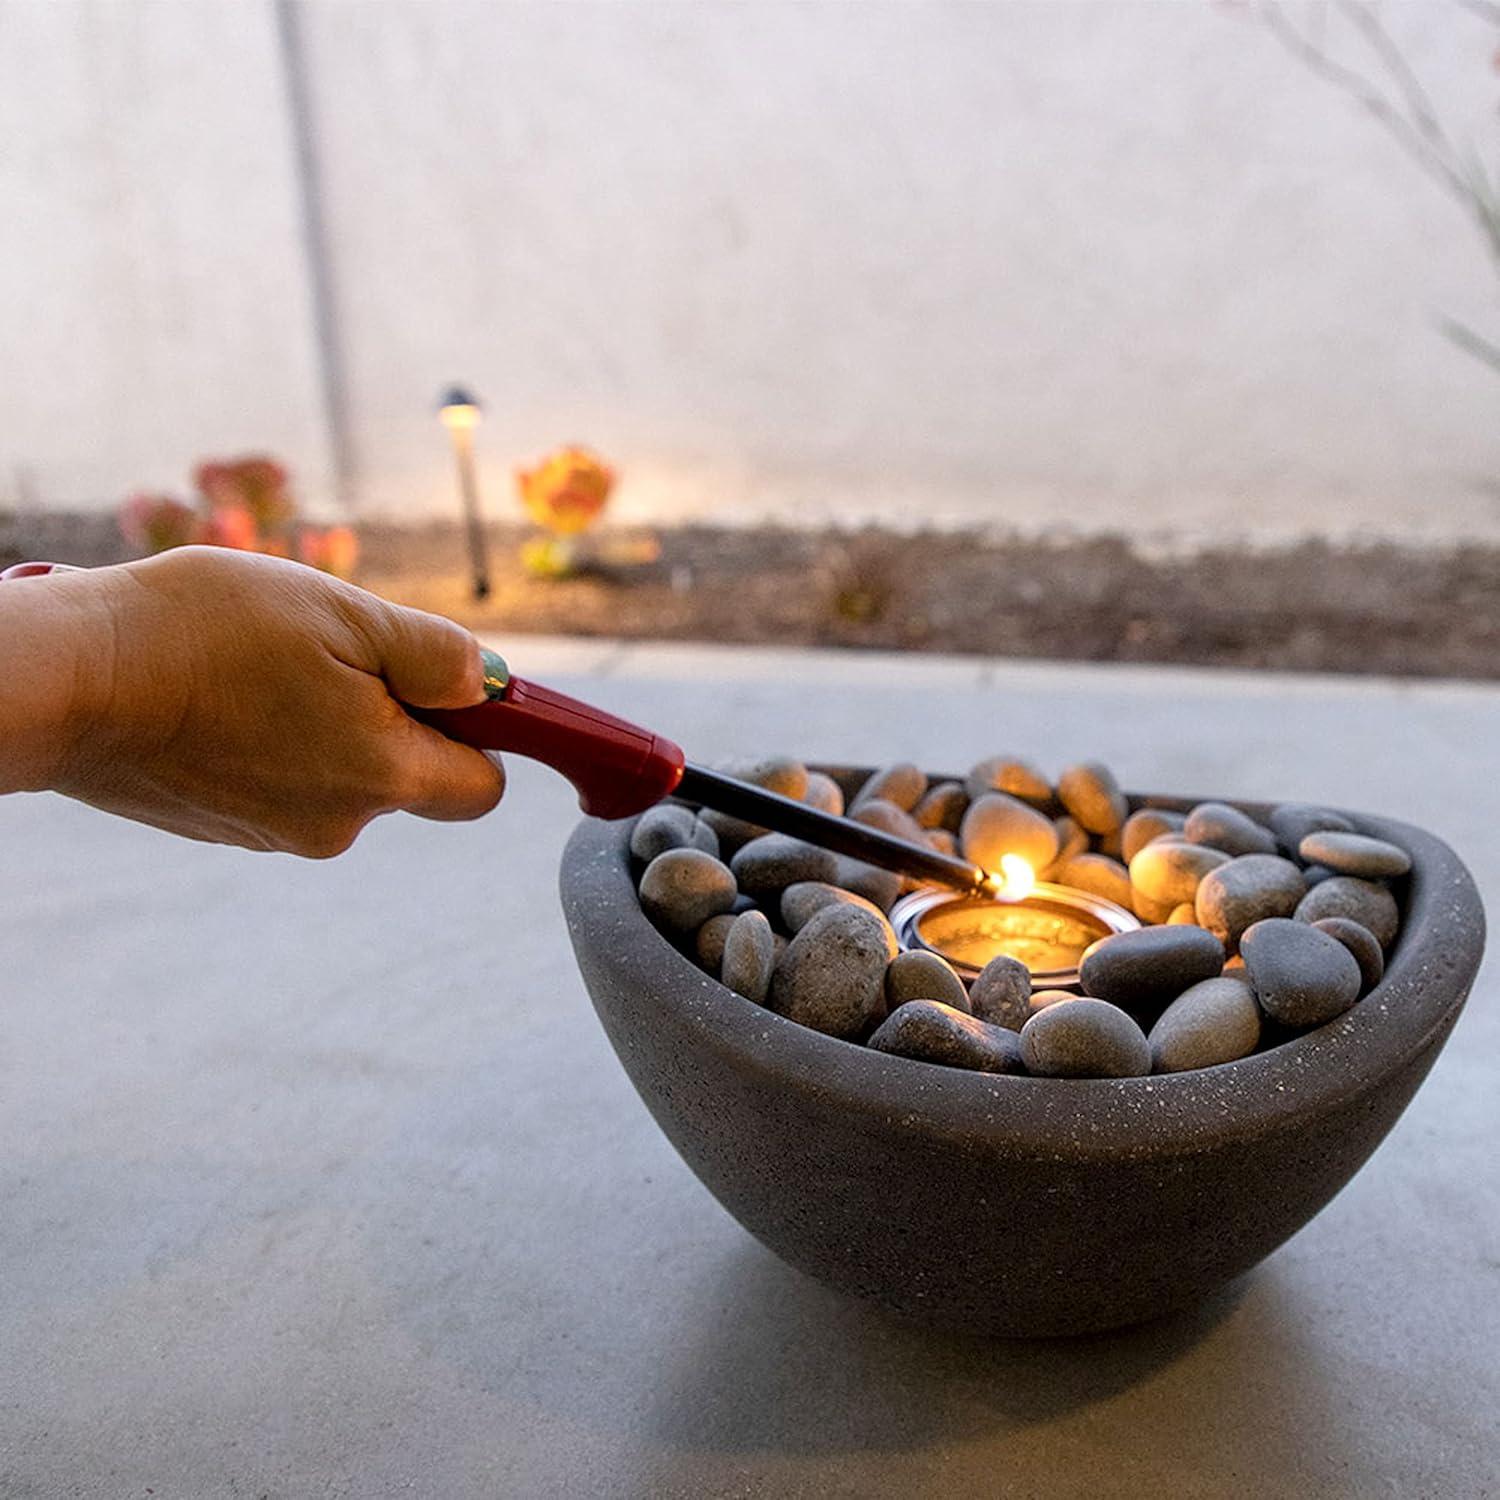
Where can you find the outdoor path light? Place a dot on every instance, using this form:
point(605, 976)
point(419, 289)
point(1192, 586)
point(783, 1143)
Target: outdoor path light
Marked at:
point(459, 412)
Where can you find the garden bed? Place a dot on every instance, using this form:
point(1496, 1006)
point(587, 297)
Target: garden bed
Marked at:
point(1313, 607)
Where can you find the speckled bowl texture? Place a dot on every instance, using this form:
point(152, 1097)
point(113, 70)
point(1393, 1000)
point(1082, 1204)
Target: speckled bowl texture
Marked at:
point(1017, 1207)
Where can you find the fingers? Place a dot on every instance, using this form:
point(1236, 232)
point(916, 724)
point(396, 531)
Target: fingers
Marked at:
point(426, 661)
point(448, 781)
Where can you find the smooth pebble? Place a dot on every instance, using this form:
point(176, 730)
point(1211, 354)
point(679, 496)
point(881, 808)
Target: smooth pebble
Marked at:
point(776, 773)
point(1221, 826)
point(1084, 1039)
point(832, 975)
point(942, 806)
point(709, 943)
point(731, 832)
point(1301, 976)
point(1071, 842)
point(1291, 822)
point(1041, 999)
point(1001, 992)
point(1167, 871)
point(1092, 797)
point(931, 1032)
point(824, 793)
point(919, 975)
point(774, 861)
point(1215, 1021)
point(1154, 913)
point(876, 812)
point(998, 824)
point(749, 956)
point(1355, 854)
point(1145, 824)
point(1097, 874)
point(1008, 774)
point(802, 901)
point(1248, 889)
point(1360, 941)
point(683, 888)
point(881, 887)
point(666, 826)
point(1143, 970)
point(1361, 901)
point(901, 784)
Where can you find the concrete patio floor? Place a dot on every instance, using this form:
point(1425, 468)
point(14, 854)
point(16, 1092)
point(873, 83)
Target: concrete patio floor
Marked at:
point(321, 1179)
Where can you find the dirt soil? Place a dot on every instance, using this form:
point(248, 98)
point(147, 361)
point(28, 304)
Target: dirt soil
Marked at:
point(1313, 607)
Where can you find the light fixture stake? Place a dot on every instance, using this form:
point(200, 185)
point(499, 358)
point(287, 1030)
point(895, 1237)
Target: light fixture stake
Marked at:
point(459, 412)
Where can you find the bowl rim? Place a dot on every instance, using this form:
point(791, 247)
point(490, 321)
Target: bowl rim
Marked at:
point(1424, 987)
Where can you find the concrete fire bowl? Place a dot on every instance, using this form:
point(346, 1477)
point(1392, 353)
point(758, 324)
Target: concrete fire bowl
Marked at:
point(1016, 1207)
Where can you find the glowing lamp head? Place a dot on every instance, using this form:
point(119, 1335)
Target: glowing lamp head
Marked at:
point(458, 410)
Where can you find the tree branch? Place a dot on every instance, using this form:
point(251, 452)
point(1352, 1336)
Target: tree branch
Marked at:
point(1472, 343)
point(1486, 10)
point(1412, 121)
point(1363, 17)
point(1412, 138)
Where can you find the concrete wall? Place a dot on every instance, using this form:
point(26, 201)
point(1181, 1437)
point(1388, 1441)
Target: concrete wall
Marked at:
point(1038, 264)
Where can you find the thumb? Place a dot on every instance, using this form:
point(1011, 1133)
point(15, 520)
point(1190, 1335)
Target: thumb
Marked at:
point(446, 780)
point(427, 661)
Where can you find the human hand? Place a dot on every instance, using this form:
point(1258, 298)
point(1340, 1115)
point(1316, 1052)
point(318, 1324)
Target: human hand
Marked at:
point(247, 700)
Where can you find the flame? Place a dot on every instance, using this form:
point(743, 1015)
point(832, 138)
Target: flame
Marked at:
point(1016, 878)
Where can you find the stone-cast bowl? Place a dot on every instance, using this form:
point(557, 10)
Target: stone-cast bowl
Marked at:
point(1015, 1206)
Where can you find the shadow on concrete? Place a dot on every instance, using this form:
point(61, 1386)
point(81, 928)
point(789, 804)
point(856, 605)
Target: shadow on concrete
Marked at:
point(787, 1365)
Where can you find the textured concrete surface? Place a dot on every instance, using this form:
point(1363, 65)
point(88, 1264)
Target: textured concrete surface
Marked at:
point(320, 1180)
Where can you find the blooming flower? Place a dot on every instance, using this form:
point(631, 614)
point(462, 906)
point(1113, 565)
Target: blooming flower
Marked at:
point(244, 503)
point(334, 549)
point(566, 492)
point(231, 526)
point(152, 523)
point(259, 485)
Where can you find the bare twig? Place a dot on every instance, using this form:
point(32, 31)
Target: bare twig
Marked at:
point(1486, 10)
point(1411, 119)
point(1412, 138)
point(1364, 18)
point(1485, 203)
point(1472, 343)
point(1475, 183)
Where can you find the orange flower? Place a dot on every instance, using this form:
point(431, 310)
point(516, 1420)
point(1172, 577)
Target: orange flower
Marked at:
point(256, 484)
point(231, 526)
point(153, 523)
point(335, 549)
point(566, 492)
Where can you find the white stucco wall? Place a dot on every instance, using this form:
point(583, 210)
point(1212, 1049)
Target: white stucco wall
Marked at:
point(153, 300)
point(1105, 266)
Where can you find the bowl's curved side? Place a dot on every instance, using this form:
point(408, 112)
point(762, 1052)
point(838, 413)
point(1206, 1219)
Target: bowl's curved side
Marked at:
point(1014, 1206)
